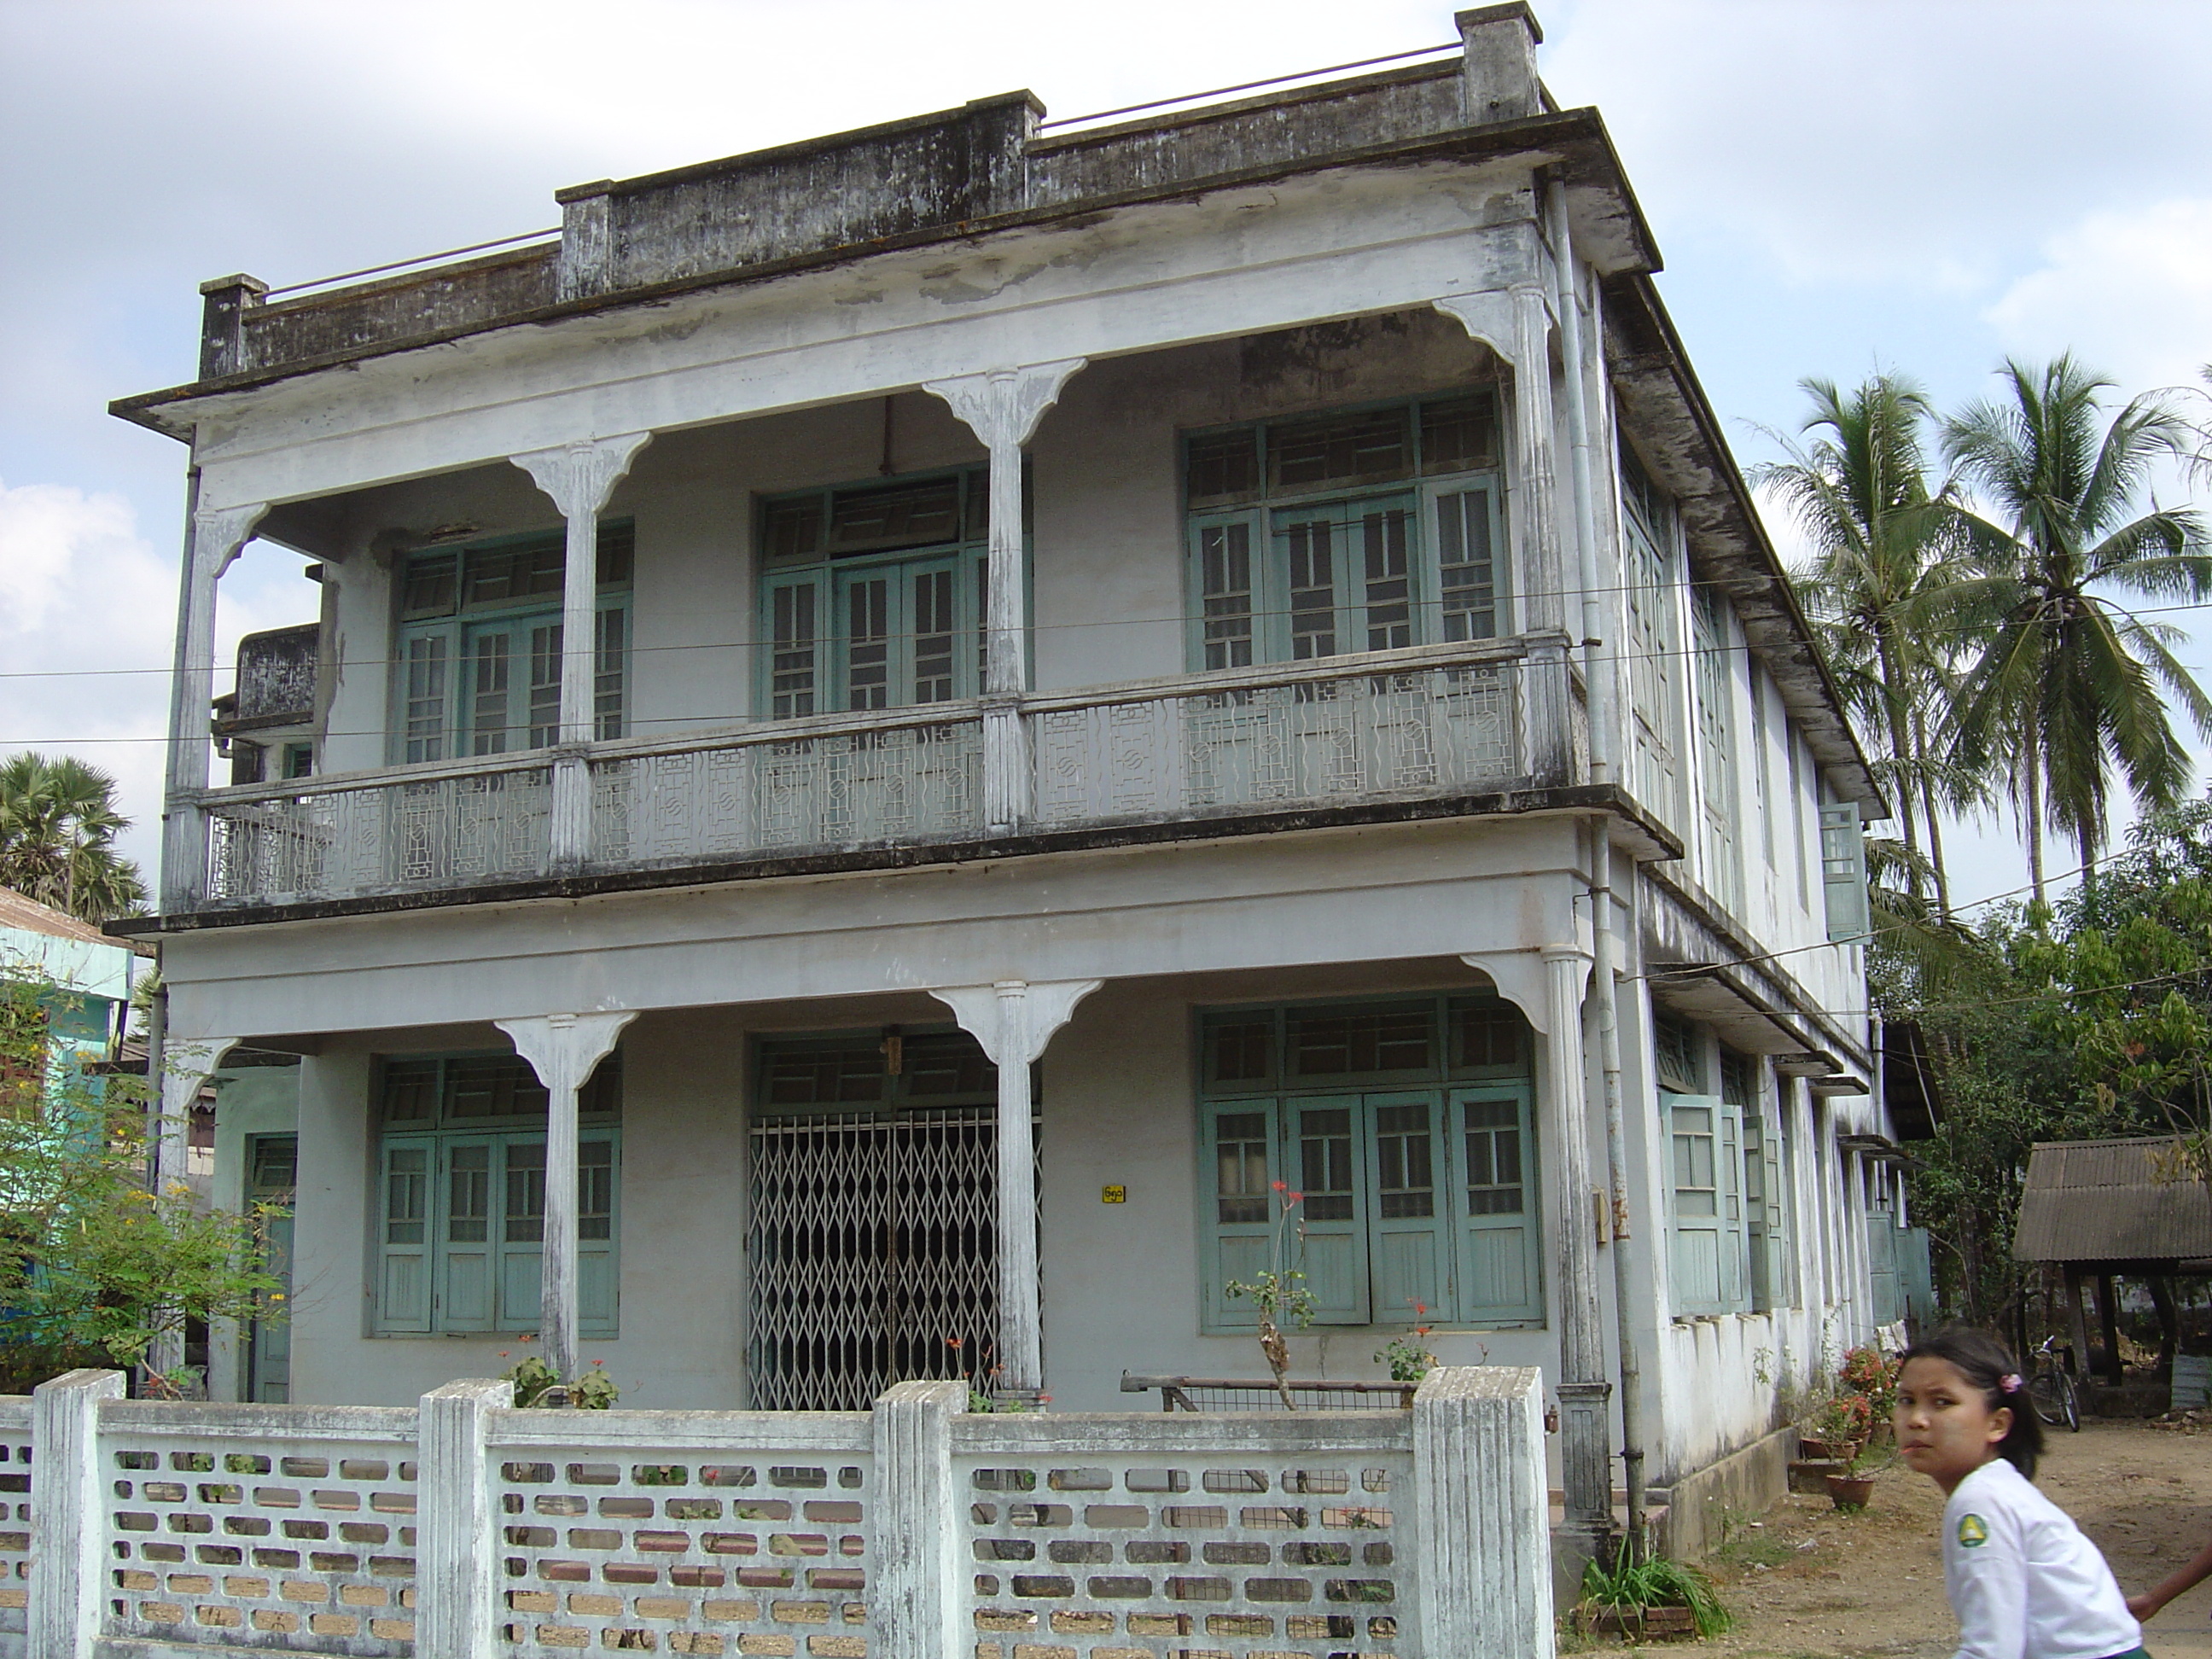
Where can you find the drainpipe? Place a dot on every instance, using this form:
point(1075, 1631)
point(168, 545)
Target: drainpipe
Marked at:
point(157, 1034)
point(1598, 669)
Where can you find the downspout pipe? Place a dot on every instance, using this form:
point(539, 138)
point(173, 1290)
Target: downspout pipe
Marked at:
point(1599, 668)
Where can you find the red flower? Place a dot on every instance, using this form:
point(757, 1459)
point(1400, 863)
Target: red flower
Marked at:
point(1294, 1198)
point(1280, 1185)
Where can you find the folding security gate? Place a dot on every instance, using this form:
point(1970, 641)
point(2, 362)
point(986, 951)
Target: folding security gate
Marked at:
point(873, 1256)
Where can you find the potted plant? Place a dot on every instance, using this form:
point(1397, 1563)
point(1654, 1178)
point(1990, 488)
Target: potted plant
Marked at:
point(1648, 1598)
point(1851, 1487)
point(1840, 1428)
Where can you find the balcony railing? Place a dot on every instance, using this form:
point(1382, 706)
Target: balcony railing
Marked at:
point(1436, 721)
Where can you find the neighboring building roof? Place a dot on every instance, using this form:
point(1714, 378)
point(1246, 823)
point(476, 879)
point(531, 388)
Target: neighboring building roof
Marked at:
point(19, 911)
point(2109, 1201)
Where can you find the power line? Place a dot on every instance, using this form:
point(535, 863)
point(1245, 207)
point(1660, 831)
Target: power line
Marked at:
point(1179, 620)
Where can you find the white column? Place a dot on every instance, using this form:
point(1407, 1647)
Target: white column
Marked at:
point(1013, 1020)
point(212, 541)
point(68, 1550)
point(1002, 407)
point(1481, 1527)
point(1586, 1463)
point(1517, 323)
point(187, 1065)
point(913, 1600)
point(457, 1576)
point(564, 1050)
point(579, 476)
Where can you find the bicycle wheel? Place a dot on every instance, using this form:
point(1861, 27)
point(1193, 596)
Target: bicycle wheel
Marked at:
point(2051, 1393)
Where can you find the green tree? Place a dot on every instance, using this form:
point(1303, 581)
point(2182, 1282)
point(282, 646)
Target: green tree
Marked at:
point(57, 829)
point(94, 1267)
point(1884, 546)
point(2067, 686)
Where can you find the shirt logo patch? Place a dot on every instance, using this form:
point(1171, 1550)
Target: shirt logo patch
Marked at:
point(1973, 1532)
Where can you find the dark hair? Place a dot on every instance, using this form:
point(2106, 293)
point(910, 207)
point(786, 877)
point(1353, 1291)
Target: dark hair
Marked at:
point(1986, 1364)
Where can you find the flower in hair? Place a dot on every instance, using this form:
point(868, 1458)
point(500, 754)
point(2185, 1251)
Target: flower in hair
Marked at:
point(2009, 1383)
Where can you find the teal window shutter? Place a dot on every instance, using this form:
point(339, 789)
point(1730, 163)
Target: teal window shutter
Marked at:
point(1695, 1201)
point(1843, 870)
point(522, 1239)
point(1500, 1278)
point(1410, 1239)
point(1735, 1254)
point(1240, 1227)
point(1328, 1158)
point(407, 1180)
point(464, 1242)
point(596, 1228)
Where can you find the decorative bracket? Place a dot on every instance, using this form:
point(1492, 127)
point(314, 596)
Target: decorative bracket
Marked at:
point(1015, 1019)
point(1003, 406)
point(580, 476)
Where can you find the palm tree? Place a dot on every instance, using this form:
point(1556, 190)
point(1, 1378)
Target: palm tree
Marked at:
point(2069, 680)
point(1884, 544)
point(57, 829)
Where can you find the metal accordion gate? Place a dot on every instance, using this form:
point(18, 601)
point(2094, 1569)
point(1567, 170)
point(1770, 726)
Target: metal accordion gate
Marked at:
point(874, 1253)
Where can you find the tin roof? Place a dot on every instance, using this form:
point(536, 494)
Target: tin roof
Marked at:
point(2110, 1200)
point(20, 911)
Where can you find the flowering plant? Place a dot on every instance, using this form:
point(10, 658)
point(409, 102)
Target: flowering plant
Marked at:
point(1279, 1293)
point(1873, 1378)
point(1409, 1362)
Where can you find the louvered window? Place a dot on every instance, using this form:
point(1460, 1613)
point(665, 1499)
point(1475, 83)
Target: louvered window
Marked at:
point(872, 595)
point(481, 652)
point(461, 1209)
point(1367, 531)
point(1403, 1127)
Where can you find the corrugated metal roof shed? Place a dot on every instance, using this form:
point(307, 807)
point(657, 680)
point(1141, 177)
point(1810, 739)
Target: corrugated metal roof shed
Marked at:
point(2104, 1200)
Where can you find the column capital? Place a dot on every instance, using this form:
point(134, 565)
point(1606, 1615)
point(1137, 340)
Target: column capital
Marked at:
point(1002, 406)
point(1498, 317)
point(1015, 1019)
point(580, 476)
point(564, 1050)
point(220, 533)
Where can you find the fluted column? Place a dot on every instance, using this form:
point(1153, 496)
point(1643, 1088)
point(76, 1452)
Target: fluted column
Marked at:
point(1586, 1463)
point(1002, 407)
point(564, 1050)
point(579, 476)
point(212, 541)
point(1013, 1020)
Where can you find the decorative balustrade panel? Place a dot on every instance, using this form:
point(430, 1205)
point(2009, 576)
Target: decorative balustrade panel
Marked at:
point(751, 1546)
point(16, 1522)
point(1400, 729)
point(302, 1541)
point(830, 789)
point(1258, 1548)
point(407, 835)
point(1440, 730)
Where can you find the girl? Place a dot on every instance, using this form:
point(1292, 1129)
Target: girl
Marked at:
point(2024, 1582)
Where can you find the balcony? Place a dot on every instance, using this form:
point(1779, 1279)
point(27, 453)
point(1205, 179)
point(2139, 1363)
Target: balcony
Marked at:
point(1432, 731)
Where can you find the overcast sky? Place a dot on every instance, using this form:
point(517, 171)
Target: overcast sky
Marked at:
point(1835, 184)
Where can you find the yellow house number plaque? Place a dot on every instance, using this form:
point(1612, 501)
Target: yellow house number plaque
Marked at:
point(1113, 1194)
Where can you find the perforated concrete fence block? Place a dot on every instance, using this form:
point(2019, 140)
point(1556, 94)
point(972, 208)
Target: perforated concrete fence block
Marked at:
point(722, 1532)
point(1100, 1537)
point(15, 1523)
point(915, 1531)
point(290, 1526)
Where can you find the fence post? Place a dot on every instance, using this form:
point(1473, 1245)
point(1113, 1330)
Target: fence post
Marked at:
point(1482, 1534)
point(457, 1557)
point(69, 1540)
point(914, 1611)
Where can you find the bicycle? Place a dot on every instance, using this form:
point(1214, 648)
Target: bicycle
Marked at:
point(2050, 1387)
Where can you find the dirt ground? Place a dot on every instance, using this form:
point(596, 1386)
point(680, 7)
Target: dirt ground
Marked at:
point(1804, 1579)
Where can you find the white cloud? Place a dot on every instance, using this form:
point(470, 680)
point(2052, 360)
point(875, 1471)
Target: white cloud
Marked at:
point(84, 594)
point(2130, 291)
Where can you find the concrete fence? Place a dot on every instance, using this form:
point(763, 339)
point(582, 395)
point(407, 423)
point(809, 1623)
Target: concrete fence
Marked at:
point(465, 1528)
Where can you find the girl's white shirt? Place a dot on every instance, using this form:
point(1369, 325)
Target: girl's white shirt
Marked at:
point(2024, 1582)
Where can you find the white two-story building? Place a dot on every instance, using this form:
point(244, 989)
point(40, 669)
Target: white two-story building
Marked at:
point(912, 732)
